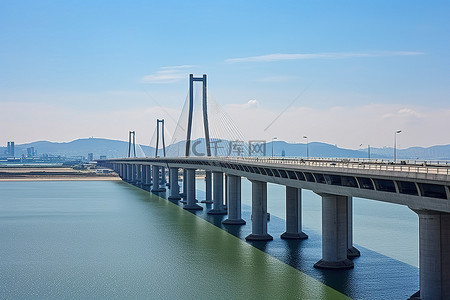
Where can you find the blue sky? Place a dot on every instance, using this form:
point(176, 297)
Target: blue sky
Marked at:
point(363, 69)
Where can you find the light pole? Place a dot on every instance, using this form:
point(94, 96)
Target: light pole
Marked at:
point(395, 144)
point(307, 146)
point(273, 139)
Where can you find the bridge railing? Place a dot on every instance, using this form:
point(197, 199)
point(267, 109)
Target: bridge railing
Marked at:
point(441, 169)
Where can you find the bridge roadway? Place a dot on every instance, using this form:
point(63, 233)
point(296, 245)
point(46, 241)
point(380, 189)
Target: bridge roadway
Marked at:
point(424, 189)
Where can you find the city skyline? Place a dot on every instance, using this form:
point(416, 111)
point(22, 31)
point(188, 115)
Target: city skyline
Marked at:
point(340, 74)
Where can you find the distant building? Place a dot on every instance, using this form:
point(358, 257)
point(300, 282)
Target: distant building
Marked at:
point(90, 156)
point(31, 152)
point(102, 156)
point(10, 149)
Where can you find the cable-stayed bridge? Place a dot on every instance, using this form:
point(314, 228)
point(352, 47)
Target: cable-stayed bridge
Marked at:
point(196, 146)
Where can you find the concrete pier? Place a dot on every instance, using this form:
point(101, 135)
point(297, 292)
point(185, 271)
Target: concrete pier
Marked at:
point(129, 172)
point(173, 184)
point(225, 204)
point(293, 214)
point(218, 208)
point(259, 212)
point(163, 179)
point(208, 188)
point(143, 175)
point(434, 255)
point(234, 201)
point(124, 172)
point(184, 193)
point(133, 174)
point(351, 250)
point(334, 233)
point(146, 177)
point(138, 174)
point(190, 191)
point(156, 180)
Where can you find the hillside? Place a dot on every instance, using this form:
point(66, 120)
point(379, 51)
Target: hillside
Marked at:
point(115, 148)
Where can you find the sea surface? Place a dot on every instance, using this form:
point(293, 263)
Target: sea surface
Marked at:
point(112, 240)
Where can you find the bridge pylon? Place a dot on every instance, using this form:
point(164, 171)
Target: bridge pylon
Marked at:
point(132, 143)
point(158, 133)
point(192, 79)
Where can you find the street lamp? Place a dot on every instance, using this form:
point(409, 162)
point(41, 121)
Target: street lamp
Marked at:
point(395, 144)
point(273, 139)
point(307, 146)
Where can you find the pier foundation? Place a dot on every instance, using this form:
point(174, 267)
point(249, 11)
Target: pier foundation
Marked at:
point(293, 214)
point(259, 212)
point(351, 250)
point(334, 233)
point(234, 201)
point(190, 191)
point(208, 188)
point(173, 184)
point(156, 188)
point(434, 255)
point(217, 195)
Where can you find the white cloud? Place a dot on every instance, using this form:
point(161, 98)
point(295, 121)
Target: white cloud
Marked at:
point(253, 103)
point(325, 55)
point(169, 74)
point(405, 113)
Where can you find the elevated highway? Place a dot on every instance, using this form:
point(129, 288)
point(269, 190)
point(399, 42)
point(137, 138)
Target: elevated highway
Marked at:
point(423, 188)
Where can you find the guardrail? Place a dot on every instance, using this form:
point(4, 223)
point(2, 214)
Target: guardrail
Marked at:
point(442, 169)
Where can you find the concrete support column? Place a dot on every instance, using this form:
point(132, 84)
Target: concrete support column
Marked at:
point(163, 178)
point(234, 201)
point(129, 172)
point(217, 195)
point(293, 214)
point(156, 180)
point(184, 193)
point(143, 175)
point(148, 176)
point(133, 173)
point(122, 172)
point(334, 233)
point(434, 255)
point(190, 191)
point(259, 212)
point(173, 184)
point(225, 205)
point(208, 187)
point(138, 174)
point(163, 181)
point(351, 250)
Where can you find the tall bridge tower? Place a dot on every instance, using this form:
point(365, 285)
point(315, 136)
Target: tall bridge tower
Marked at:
point(158, 133)
point(132, 143)
point(192, 79)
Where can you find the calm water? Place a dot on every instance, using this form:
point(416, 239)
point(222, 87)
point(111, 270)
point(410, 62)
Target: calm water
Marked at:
point(113, 240)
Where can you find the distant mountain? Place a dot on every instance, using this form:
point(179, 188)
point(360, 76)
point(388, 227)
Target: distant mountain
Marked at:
point(441, 152)
point(81, 147)
point(315, 149)
point(115, 149)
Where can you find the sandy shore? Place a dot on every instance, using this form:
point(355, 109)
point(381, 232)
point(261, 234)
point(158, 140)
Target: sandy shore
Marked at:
point(52, 174)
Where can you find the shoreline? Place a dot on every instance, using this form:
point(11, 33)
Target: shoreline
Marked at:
point(68, 178)
point(53, 174)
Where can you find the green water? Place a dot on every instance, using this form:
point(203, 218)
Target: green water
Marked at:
point(111, 240)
